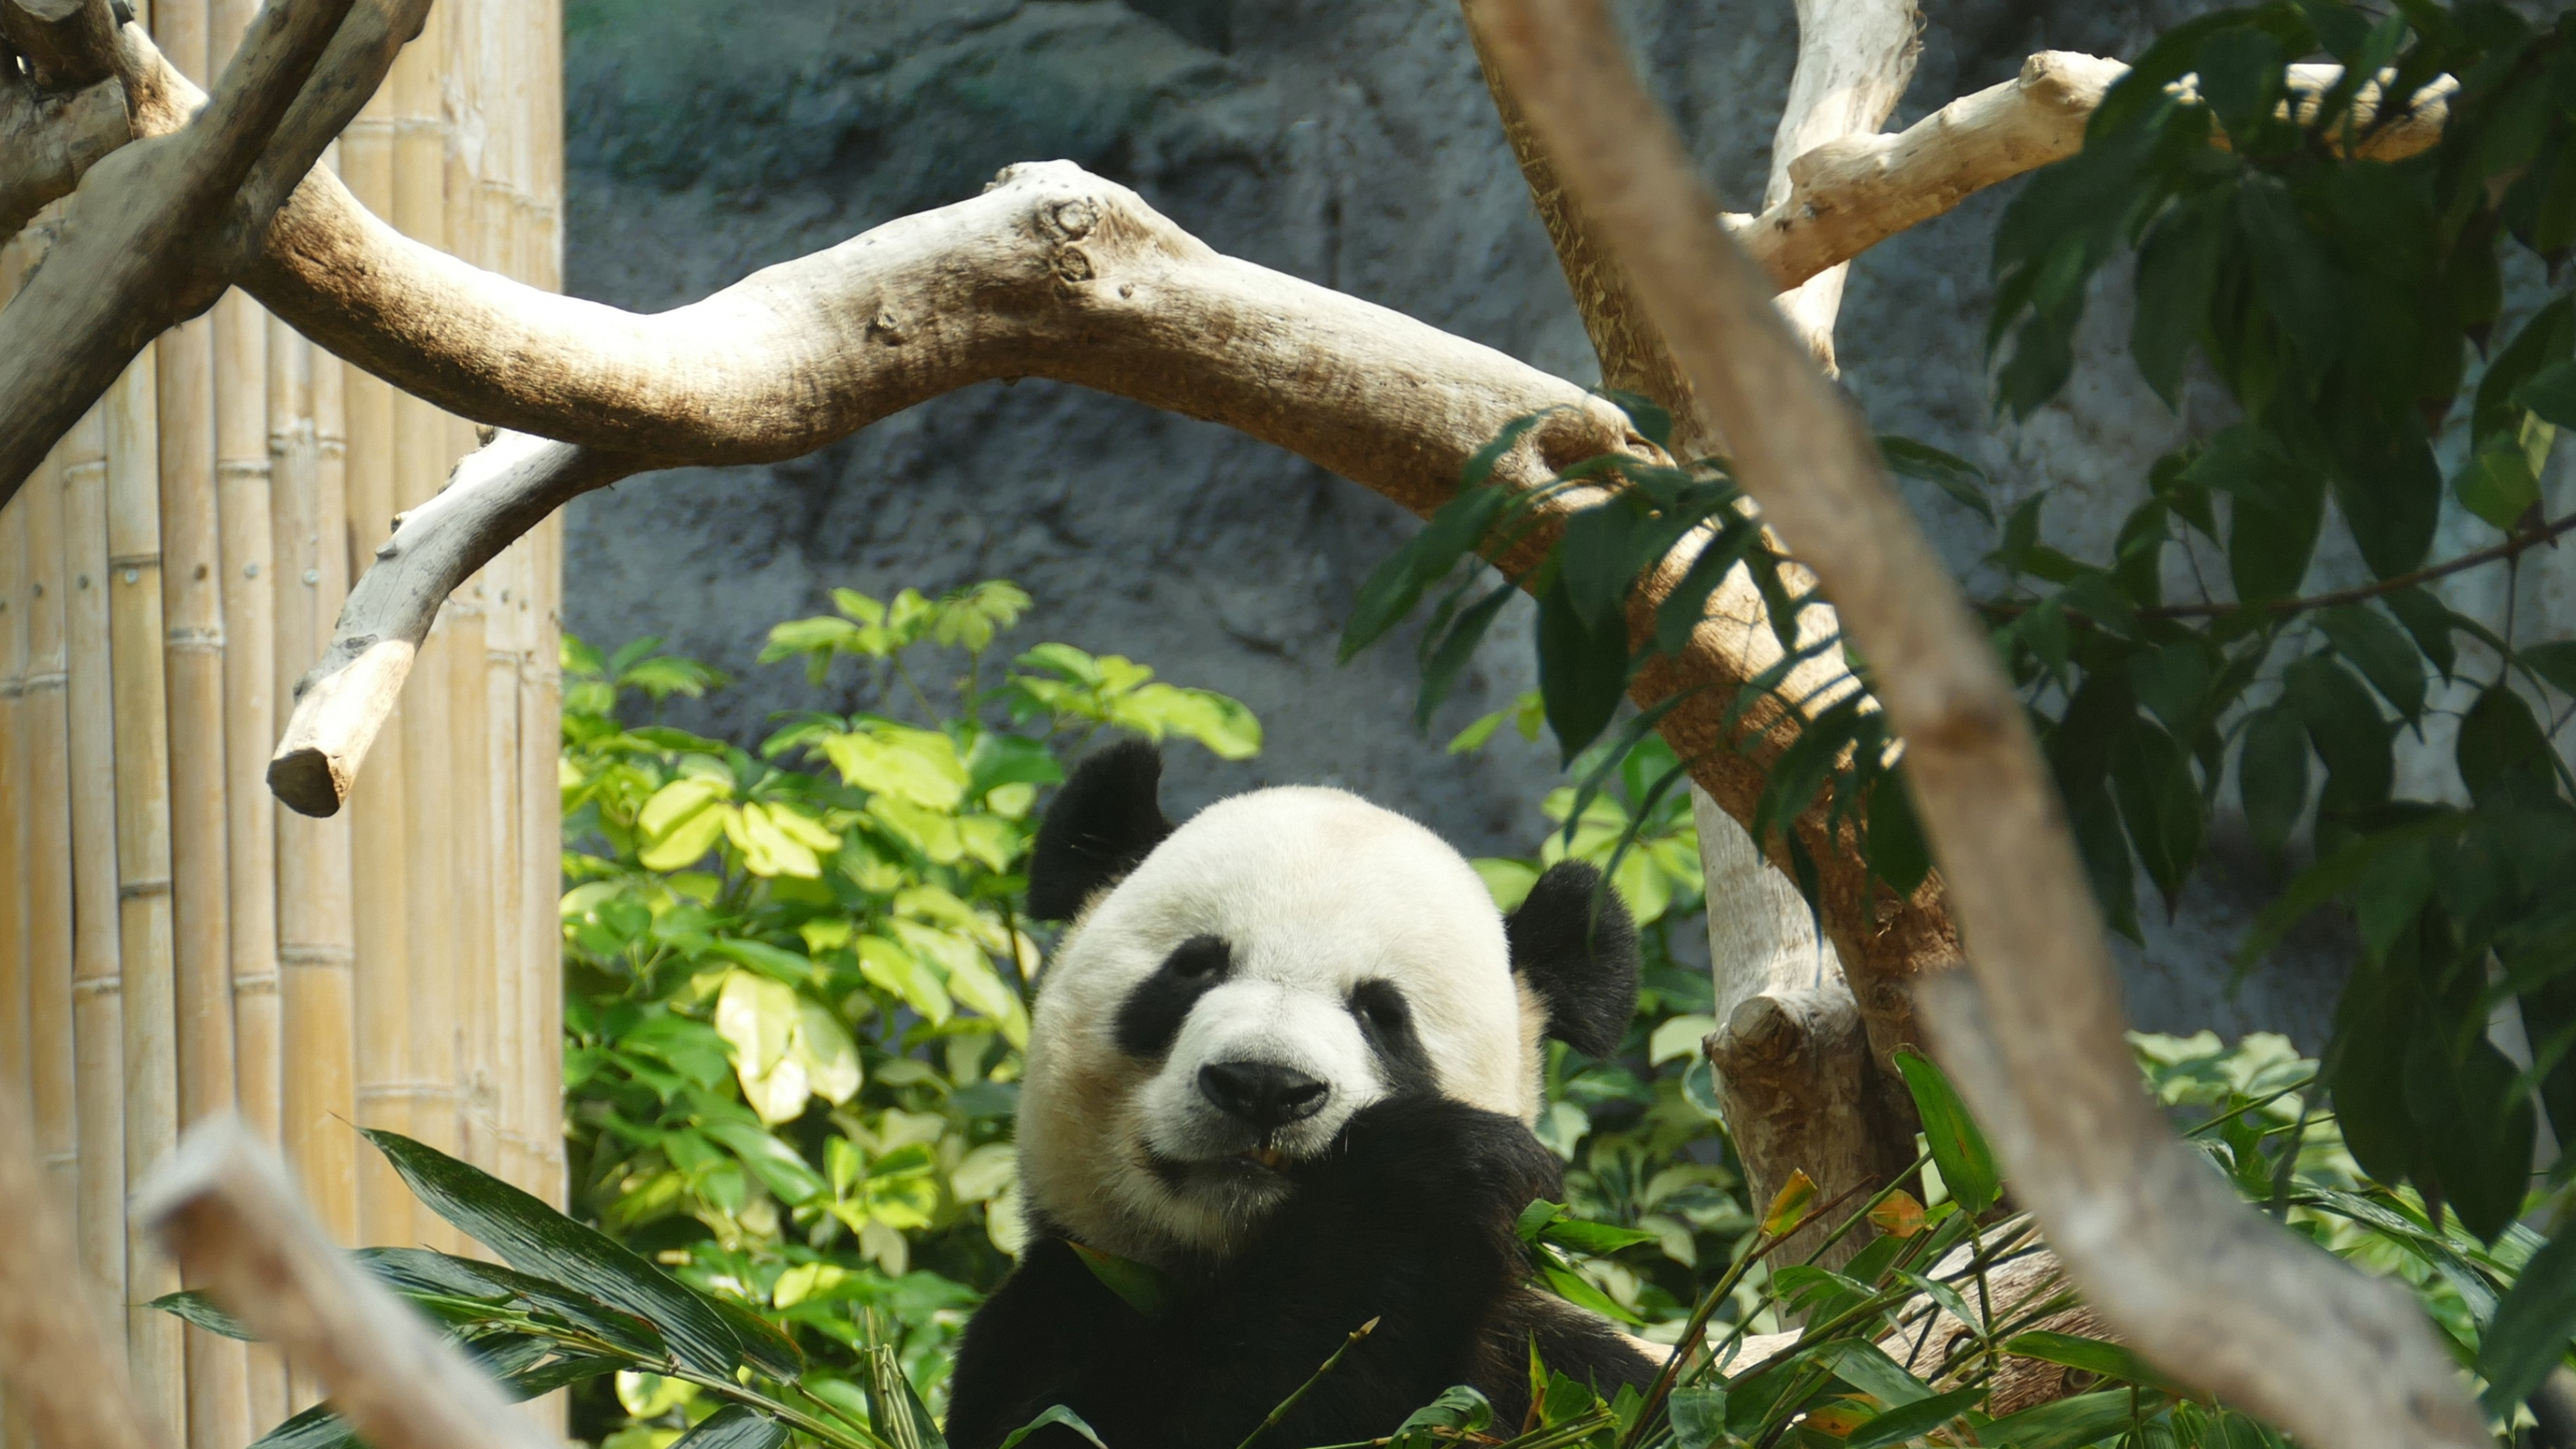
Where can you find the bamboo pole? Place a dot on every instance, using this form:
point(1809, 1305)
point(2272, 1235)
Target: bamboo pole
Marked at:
point(193, 853)
point(98, 1010)
point(421, 439)
point(316, 929)
point(144, 934)
point(16, 975)
point(377, 817)
point(46, 797)
point(543, 734)
point(244, 484)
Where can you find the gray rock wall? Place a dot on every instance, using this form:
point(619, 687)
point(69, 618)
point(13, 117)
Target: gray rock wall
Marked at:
point(1349, 142)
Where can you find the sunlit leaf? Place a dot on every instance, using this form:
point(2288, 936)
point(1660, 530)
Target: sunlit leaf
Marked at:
point(1790, 1205)
point(1958, 1147)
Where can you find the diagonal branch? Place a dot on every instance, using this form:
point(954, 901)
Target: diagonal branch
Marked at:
point(2199, 1283)
point(161, 227)
point(64, 1372)
point(223, 1205)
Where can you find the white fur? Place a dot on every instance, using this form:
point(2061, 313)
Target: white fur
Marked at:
point(1316, 891)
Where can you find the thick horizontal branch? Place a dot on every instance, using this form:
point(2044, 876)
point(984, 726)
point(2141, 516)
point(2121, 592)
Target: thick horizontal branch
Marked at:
point(2199, 1283)
point(224, 1206)
point(1052, 272)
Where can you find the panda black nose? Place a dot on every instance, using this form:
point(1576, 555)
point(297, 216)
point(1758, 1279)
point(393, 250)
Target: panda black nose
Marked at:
point(1264, 1094)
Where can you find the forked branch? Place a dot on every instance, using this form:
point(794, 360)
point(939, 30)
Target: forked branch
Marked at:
point(2199, 1283)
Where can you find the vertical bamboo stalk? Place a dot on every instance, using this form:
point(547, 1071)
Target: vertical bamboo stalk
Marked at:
point(98, 1010)
point(140, 706)
point(195, 848)
point(428, 761)
point(544, 801)
point(316, 927)
point(16, 974)
point(43, 742)
point(378, 829)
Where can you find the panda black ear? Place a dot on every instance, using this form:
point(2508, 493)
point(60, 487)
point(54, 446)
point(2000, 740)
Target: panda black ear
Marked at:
point(1103, 824)
point(1582, 965)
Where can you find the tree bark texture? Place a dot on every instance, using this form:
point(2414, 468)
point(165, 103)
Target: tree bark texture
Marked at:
point(2204, 1286)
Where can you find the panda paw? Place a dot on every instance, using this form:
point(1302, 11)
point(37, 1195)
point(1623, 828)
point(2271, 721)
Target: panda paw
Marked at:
point(1437, 1154)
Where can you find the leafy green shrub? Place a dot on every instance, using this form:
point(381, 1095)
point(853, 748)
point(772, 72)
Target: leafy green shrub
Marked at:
point(797, 979)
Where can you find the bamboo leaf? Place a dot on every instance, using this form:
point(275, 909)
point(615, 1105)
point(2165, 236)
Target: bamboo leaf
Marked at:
point(1958, 1147)
point(534, 1238)
point(1789, 1205)
point(735, 1426)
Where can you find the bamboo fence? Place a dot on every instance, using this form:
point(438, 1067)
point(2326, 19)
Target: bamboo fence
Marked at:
point(171, 943)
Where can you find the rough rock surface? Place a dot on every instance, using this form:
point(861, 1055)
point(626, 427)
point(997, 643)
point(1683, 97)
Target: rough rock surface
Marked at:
point(1346, 141)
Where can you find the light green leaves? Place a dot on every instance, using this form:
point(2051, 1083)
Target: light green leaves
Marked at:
point(786, 1046)
point(919, 767)
point(1112, 690)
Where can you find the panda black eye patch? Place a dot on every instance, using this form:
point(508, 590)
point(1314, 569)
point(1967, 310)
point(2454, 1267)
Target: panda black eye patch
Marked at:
point(1386, 1020)
point(1152, 1014)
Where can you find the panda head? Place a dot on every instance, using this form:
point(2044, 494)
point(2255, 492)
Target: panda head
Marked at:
point(1232, 990)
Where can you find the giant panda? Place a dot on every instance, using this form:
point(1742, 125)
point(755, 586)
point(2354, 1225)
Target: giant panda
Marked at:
point(1287, 1055)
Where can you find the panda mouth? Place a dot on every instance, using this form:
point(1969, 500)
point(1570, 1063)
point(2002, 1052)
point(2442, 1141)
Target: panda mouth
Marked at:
point(1269, 1158)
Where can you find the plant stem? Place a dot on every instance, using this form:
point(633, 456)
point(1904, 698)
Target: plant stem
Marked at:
point(1290, 1402)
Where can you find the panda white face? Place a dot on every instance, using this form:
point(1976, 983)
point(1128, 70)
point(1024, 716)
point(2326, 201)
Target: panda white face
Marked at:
point(1281, 961)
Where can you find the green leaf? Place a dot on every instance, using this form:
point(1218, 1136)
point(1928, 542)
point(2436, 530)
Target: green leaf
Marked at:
point(2160, 803)
point(415, 1272)
point(2554, 661)
point(1698, 1416)
point(1460, 1408)
point(315, 1428)
point(1915, 1420)
point(2272, 776)
point(1958, 1147)
point(1578, 1290)
point(1898, 853)
point(2474, 1126)
point(534, 1238)
point(2347, 729)
point(1789, 1205)
point(1582, 669)
point(2330, 878)
point(2177, 275)
point(1590, 1237)
point(1866, 1367)
point(2429, 620)
point(197, 1308)
point(1054, 1415)
point(2497, 485)
point(2502, 753)
point(735, 1426)
point(2065, 1424)
point(2092, 1355)
point(779, 1167)
point(1145, 1288)
point(1965, 482)
point(2382, 652)
point(2551, 392)
point(2532, 1327)
point(1440, 667)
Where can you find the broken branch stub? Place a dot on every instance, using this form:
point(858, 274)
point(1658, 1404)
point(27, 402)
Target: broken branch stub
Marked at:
point(2198, 1282)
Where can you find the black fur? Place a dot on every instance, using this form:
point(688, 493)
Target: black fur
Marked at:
point(1407, 1220)
point(1386, 1021)
point(1104, 822)
point(1584, 967)
point(1152, 1013)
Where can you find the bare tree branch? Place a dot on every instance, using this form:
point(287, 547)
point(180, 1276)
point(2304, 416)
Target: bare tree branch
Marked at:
point(1052, 272)
point(224, 1206)
point(1846, 196)
point(70, 44)
point(161, 227)
point(2201, 1284)
point(63, 1370)
point(48, 140)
